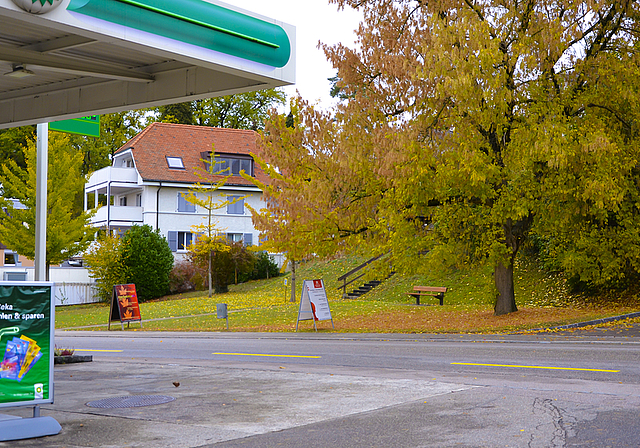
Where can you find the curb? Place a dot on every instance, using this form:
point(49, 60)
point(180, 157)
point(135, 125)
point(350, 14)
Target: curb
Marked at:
point(72, 359)
point(604, 320)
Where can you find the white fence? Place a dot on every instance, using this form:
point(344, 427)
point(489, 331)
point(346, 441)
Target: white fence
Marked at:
point(74, 293)
point(71, 286)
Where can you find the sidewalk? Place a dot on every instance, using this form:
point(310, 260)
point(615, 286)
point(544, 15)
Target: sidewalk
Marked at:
point(209, 403)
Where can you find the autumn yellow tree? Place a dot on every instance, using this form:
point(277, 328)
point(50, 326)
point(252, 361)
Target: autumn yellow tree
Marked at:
point(320, 188)
point(204, 194)
point(467, 125)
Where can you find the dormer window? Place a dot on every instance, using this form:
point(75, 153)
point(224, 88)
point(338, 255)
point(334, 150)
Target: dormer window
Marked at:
point(127, 163)
point(230, 164)
point(175, 163)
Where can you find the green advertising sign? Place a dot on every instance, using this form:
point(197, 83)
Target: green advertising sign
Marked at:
point(84, 126)
point(26, 344)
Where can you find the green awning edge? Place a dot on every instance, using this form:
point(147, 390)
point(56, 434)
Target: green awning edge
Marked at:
point(198, 23)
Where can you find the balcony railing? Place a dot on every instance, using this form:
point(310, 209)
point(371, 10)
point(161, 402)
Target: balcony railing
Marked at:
point(113, 174)
point(118, 214)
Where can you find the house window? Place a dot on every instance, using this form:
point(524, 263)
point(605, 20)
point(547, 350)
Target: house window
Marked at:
point(175, 163)
point(232, 165)
point(184, 240)
point(236, 205)
point(127, 163)
point(139, 200)
point(10, 258)
point(246, 238)
point(179, 241)
point(185, 206)
point(123, 201)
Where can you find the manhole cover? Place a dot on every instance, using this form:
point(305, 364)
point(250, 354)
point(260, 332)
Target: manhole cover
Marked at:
point(131, 401)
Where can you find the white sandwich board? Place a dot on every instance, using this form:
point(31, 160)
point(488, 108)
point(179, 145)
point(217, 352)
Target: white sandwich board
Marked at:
point(313, 303)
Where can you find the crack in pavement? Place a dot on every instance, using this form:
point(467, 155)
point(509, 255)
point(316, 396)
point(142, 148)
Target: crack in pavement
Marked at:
point(551, 434)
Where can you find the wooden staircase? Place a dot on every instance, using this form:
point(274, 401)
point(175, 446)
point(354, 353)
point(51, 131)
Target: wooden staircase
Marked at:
point(363, 288)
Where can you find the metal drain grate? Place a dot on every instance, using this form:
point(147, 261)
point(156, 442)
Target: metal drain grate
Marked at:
point(132, 401)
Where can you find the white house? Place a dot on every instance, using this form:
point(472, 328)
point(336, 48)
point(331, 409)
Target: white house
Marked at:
point(152, 172)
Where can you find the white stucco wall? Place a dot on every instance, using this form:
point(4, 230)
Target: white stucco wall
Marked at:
point(170, 219)
point(164, 197)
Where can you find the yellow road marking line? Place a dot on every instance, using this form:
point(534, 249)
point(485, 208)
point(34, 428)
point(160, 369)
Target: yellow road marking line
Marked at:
point(91, 350)
point(532, 367)
point(259, 354)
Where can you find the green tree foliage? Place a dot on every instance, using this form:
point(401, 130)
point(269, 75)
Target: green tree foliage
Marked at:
point(105, 264)
point(243, 261)
point(465, 126)
point(229, 263)
point(239, 111)
point(148, 261)
point(336, 90)
point(181, 113)
point(141, 256)
point(68, 231)
point(264, 267)
point(12, 144)
point(204, 253)
point(115, 130)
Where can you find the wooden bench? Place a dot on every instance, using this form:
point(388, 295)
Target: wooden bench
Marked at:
point(433, 291)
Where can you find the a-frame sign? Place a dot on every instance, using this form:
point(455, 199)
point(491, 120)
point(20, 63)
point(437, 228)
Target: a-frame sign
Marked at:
point(124, 305)
point(313, 303)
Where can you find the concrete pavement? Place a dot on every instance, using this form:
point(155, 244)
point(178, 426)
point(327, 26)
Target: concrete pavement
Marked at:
point(211, 405)
point(223, 406)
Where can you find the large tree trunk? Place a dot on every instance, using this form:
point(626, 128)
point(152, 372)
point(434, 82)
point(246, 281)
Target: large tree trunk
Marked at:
point(514, 236)
point(506, 301)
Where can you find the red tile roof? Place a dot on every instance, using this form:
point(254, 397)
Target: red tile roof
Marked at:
point(160, 140)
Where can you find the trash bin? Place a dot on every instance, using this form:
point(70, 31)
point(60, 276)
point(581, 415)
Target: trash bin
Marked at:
point(221, 308)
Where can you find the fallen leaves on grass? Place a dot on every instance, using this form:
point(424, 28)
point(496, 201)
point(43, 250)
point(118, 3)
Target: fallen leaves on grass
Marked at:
point(432, 320)
point(424, 320)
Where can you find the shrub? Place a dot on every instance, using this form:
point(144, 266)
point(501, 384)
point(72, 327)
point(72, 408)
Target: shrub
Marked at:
point(148, 261)
point(231, 266)
point(185, 276)
point(60, 351)
point(264, 267)
point(230, 263)
point(104, 263)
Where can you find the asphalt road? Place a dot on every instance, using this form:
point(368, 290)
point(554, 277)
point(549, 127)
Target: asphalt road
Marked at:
point(453, 356)
point(359, 390)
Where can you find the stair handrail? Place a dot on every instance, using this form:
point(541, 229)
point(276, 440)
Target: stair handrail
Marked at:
point(344, 277)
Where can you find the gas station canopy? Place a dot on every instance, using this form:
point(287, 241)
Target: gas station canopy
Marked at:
point(64, 59)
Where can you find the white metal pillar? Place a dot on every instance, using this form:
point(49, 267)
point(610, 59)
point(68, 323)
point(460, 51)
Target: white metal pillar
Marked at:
point(41, 201)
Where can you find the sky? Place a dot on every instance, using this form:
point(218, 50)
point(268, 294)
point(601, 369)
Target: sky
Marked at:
point(315, 20)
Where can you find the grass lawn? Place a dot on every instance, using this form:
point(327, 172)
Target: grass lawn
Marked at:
point(543, 301)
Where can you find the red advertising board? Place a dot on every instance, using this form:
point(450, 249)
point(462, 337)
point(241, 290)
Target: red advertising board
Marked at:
point(124, 305)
